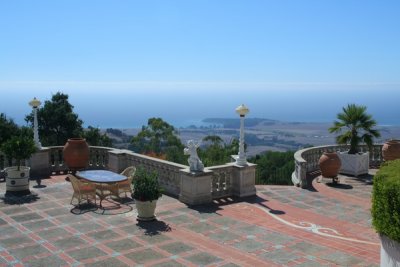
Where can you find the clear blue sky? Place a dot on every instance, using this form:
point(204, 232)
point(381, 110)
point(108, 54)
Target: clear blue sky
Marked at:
point(267, 54)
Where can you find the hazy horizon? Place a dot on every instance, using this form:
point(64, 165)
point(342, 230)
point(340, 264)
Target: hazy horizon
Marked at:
point(131, 108)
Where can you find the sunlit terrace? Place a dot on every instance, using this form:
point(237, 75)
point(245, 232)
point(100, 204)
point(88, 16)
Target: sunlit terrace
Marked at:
point(323, 224)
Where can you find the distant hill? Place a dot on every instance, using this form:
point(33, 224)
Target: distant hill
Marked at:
point(235, 123)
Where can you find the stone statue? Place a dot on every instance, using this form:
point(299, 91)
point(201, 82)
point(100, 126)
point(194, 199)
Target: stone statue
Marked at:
point(194, 161)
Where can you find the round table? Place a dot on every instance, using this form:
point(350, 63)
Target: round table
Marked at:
point(106, 181)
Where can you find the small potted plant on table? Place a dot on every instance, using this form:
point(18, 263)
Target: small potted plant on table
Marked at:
point(19, 148)
point(146, 192)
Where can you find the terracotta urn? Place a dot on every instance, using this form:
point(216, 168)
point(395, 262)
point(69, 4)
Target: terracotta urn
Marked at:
point(330, 164)
point(391, 150)
point(76, 154)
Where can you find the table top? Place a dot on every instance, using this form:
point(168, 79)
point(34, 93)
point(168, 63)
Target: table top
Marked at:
point(101, 176)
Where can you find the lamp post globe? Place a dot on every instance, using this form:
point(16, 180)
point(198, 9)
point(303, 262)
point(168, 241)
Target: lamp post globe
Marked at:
point(241, 160)
point(35, 103)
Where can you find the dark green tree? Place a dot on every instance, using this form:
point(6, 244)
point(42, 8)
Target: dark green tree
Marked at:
point(216, 152)
point(354, 126)
point(57, 121)
point(159, 138)
point(8, 128)
point(274, 167)
point(94, 137)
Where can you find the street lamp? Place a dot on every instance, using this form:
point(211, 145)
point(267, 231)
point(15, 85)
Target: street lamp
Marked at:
point(242, 110)
point(34, 103)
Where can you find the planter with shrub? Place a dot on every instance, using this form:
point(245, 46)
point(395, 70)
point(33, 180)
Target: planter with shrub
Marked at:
point(354, 126)
point(19, 147)
point(386, 211)
point(146, 192)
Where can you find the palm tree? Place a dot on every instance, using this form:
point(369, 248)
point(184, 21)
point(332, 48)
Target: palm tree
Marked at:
point(358, 125)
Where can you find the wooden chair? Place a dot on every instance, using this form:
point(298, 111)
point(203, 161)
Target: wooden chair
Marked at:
point(126, 186)
point(82, 190)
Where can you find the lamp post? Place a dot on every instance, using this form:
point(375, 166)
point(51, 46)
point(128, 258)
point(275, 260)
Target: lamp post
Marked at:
point(241, 160)
point(34, 103)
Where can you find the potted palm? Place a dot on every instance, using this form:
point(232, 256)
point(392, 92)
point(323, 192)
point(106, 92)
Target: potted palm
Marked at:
point(354, 126)
point(385, 211)
point(146, 192)
point(19, 148)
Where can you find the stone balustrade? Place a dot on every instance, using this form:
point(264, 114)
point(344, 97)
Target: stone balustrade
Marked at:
point(176, 179)
point(306, 160)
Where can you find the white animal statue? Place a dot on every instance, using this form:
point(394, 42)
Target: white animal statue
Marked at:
point(194, 161)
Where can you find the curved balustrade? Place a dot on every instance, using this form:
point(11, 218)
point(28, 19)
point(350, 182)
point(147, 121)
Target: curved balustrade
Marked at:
point(306, 160)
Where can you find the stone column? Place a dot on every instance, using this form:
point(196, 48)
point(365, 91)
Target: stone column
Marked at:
point(117, 160)
point(195, 187)
point(243, 180)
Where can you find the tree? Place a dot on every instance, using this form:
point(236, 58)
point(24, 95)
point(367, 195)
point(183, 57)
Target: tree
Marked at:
point(274, 167)
point(216, 152)
point(8, 128)
point(357, 126)
point(94, 137)
point(160, 138)
point(57, 121)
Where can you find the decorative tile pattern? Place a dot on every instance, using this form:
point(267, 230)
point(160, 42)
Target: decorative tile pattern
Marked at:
point(283, 225)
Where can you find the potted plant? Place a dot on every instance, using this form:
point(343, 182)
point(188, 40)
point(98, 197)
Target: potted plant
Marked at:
point(19, 148)
point(385, 211)
point(354, 127)
point(146, 192)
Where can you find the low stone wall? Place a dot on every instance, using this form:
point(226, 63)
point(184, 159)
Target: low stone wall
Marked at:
point(176, 179)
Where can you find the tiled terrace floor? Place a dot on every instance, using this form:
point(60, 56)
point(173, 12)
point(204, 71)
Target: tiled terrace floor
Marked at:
point(281, 226)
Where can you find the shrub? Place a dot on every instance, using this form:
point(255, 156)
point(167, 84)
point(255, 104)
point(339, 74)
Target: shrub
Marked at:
point(145, 185)
point(386, 200)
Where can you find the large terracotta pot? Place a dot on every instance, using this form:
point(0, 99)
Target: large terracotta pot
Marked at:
point(391, 150)
point(76, 154)
point(330, 164)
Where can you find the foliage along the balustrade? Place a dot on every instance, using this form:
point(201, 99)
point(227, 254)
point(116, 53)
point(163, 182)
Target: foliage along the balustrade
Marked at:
point(274, 167)
point(386, 200)
point(160, 138)
point(20, 146)
point(94, 137)
point(214, 151)
point(354, 126)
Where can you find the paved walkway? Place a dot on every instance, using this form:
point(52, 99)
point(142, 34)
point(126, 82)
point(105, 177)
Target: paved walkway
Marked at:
point(282, 226)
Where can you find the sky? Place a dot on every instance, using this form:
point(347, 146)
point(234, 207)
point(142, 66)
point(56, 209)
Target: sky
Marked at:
point(122, 62)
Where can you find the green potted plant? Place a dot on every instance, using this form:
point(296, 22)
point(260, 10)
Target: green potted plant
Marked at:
point(385, 211)
point(19, 147)
point(146, 192)
point(354, 126)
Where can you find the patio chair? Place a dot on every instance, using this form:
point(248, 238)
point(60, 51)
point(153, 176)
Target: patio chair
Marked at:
point(82, 190)
point(126, 186)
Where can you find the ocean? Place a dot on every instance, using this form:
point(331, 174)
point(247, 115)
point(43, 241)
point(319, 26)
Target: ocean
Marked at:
point(124, 108)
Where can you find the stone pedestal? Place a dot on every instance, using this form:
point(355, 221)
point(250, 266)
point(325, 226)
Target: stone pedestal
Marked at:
point(195, 187)
point(117, 160)
point(39, 163)
point(244, 180)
